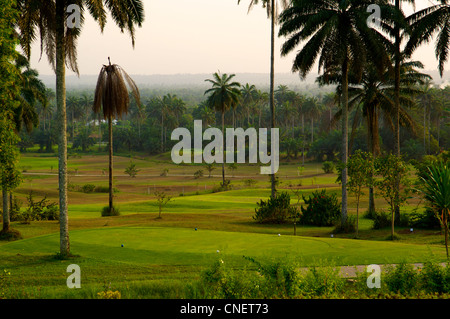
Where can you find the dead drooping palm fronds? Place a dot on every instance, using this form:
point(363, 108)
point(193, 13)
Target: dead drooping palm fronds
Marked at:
point(111, 93)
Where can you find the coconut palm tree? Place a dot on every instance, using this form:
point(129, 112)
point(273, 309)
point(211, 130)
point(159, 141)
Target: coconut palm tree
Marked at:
point(207, 114)
point(425, 25)
point(111, 96)
point(337, 31)
point(223, 95)
point(272, 13)
point(248, 93)
point(48, 19)
point(32, 91)
point(313, 108)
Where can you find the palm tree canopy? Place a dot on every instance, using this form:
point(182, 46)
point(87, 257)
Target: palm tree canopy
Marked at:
point(37, 17)
point(267, 4)
point(224, 93)
point(436, 186)
point(425, 24)
point(111, 93)
point(335, 31)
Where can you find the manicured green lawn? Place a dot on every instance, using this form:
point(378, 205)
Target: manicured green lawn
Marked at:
point(168, 252)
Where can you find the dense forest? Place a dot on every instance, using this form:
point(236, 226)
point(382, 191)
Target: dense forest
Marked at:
point(309, 124)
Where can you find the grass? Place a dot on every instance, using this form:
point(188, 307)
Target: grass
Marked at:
point(160, 256)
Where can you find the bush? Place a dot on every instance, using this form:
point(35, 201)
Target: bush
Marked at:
point(113, 212)
point(435, 278)
point(276, 209)
point(88, 188)
point(322, 210)
point(38, 210)
point(198, 174)
point(381, 219)
point(425, 220)
point(345, 228)
point(402, 279)
point(328, 167)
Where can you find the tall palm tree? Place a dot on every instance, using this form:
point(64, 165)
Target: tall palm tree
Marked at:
point(248, 99)
point(272, 13)
point(425, 99)
point(223, 95)
point(48, 19)
point(313, 108)
point(337, 31)
point(111, 96)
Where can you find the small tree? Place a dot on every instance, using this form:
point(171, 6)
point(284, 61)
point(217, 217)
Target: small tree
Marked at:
point(162, 199)
point(132, 170)
point(392, 169)
point(360, 174)
point(232, 167)
point(328, 167)
point(10, 177)
point(198, 174)
point(210, 167)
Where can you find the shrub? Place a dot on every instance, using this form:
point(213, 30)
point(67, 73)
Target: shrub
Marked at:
point(328, 167)
point(222, 282)
point(322, 209)
point(164, 172)
point(349, 226)
point(435, 278)
point(198, 174)
point(425, 220)
point(109, 294)
point(322, 281)
point(110, 212)
point(88, 188)
point(249, 182)
point(38, 210)
point(276, 209)
point(14, 214)
point(402, 279)
point(381, 219)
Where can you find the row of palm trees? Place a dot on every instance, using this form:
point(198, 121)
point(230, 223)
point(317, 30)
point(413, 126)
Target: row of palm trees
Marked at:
point(334, 31)
point(336, 34)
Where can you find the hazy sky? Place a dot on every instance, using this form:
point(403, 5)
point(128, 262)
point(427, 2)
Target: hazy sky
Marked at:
point(195, 36)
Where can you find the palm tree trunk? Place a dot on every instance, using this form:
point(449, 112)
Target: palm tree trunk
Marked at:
point(162, 133)
point(99, 132)
point(223, 148)
point(62, 128)
point(272, 80)
point(425, 129)
point(110, 163)
point(344, 140)
point(374, 142)
point(397, 105)
point(6, 219)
